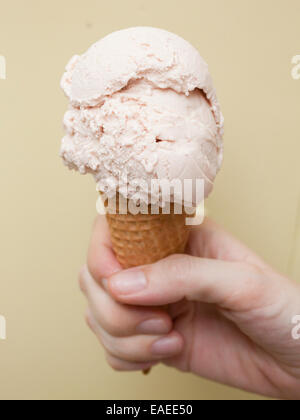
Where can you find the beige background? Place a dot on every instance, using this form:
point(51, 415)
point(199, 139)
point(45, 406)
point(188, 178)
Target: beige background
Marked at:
point(46, 212)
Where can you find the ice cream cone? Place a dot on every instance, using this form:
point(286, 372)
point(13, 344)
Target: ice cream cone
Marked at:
point(145, 238)
point(139, 122)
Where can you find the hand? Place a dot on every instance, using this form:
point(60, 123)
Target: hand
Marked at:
point(219, 312)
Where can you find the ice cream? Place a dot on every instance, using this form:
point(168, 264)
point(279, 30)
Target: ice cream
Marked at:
point(142, 107)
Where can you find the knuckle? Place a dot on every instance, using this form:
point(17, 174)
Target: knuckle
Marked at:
point(114, 363)
point(114, 330)
point(178, 266)
point(81, 279)
point(252, 278)
point(108, 317)
point(118, 347)
point(111, 328)
point(94, 268)
point(254, 287)
point(112, 322)
point(89, 320)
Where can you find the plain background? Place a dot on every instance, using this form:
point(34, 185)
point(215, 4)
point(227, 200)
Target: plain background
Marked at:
point(47, 212)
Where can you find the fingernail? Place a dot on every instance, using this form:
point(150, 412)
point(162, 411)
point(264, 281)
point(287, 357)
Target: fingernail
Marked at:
point(128, 282)
point(153, 326)
point(167, 346)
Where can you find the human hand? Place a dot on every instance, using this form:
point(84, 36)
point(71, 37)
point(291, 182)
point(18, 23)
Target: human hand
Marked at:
point(227, 315)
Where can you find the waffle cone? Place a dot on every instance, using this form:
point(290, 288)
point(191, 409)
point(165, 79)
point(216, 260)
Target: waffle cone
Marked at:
point(146, 238)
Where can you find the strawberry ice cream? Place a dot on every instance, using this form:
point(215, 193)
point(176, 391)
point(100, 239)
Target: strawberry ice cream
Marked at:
point(142, 106)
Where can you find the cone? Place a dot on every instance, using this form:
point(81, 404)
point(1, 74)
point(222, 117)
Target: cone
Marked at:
point(145, 238)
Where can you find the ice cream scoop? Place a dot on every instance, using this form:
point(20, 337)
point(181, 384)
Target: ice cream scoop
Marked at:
point(142, 107)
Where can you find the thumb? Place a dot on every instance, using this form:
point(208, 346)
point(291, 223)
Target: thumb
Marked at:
point(232, 285)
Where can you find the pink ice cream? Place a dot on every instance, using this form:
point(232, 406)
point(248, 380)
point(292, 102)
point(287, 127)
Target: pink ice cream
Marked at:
point(142, 107)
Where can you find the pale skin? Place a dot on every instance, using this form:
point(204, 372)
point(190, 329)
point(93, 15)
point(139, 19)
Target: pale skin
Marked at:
point(219, 312)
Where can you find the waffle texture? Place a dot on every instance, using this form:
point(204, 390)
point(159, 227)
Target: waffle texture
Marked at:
point(146, 238)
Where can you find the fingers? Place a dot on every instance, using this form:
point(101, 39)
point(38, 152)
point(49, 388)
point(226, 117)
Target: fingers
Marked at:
point(119, 320)
point(102, 262)
point(140, 350)
point(135, 338)
point(117, 363)
point(124, 366)
point(231, 285)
